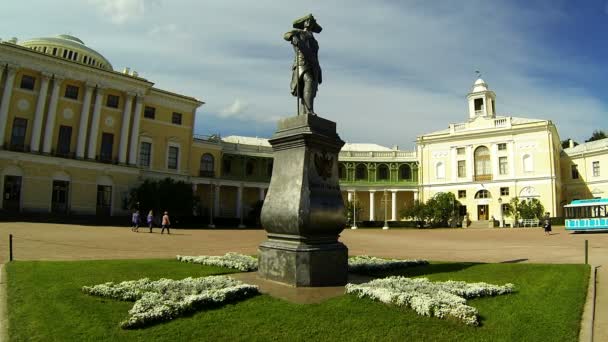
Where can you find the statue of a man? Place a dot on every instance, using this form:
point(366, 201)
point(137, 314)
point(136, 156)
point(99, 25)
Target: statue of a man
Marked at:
point(306, 72)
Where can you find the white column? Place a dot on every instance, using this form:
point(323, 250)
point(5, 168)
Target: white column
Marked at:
point(470, 163)
point(47, 143)
point(350, 196)
point(494, 160)
point(394, 205)
point(415, 196)
point(135, 130)
point(39, 115)
point(372, 205)
point(6, 99)
point(262, 195)
point(454, 162)
point(124, 129)
point(512, 158)
point(216, 199)
point(84, 121)
point(95, 124)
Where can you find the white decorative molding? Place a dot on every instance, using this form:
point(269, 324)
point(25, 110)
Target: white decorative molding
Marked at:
point(23, 105)
point(68, 113)
point(109, 121)
point(184, 106)
point(528, 192)
point(440, 154)
point(526, 145)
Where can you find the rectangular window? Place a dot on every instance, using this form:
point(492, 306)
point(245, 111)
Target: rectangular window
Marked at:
point(460, 151)
point(112, 101)
point(28, 82)
point(462, 194)
point(173, 157)
point(18, 134)
point(478, 104)
point(503, 165)
point(502, 147)
point(149, 112)
point(462, 210)
point(574, 169)
point(107, 142)
point(145, 151)
point(504, 191)
point(64, 139)
point(462, 169)
point(596, 169)
point(176, 118)
point(227, 166)
point(54, 51)
point(71, 92)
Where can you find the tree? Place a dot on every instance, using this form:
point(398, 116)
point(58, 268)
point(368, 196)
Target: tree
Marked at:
point(164, 195)
point(418, 212)
point(566, 143)
point(440, 210)
point(532, 209)
point(598, 134)
point(348, 211)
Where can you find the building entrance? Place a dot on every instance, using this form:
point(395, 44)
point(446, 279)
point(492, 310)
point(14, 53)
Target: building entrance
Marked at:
point(104, 200)
point(12, 194)
point(59, 202)
point(482, 212)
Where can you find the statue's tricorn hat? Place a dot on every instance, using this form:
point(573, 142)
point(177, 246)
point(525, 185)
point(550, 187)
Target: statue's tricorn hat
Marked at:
point(299, 23)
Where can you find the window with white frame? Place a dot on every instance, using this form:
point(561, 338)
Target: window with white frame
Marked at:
point(145, 153)
point(462, 168)
point(527, 163)
point(503, 165)
point(460, 151)
point(440, 170)
point(596, 169)
point(173, 157)
point(502, 147)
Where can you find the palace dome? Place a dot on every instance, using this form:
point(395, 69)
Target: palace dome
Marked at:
point(68, 47)
point(479, 85)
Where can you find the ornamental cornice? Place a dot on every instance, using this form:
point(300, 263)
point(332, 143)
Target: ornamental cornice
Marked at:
point(24, 57)
point(169, 102)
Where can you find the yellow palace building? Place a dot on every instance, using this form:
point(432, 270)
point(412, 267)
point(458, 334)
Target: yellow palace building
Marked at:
point(76, 136)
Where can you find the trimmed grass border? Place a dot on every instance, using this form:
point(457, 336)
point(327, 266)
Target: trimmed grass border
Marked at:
point(45, 303)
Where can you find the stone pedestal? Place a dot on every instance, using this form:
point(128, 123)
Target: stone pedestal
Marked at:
point(303, 213)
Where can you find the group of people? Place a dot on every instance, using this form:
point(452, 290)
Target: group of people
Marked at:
point(136, 220)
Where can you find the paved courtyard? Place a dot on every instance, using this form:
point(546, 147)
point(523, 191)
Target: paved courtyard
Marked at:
point(38, 241)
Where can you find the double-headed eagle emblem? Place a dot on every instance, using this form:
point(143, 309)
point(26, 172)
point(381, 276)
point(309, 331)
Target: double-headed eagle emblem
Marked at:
point(324, 165)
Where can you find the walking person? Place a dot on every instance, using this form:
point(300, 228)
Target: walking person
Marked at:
point(166, 223)
point(547, 224)
point(135, 221)
point(150, 220)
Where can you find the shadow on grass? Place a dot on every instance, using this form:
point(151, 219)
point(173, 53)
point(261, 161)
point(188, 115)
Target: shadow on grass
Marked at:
point(514, 261)
point(421, 270)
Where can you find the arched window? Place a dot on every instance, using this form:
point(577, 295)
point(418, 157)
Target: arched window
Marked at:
point(207, 165)
point(528, 163)
point(482, 194)
point(440, 170)
point(250, 167)
point(361, 172)
point(483, 167)
point(341, 171)
point(405, 172)
point(382, 172)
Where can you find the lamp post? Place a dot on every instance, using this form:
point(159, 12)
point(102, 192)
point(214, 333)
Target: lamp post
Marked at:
point(354, 226)
point(500, 223)
point(385, 199)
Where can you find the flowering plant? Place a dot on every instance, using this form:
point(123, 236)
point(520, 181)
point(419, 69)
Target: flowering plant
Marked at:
point(237, 261)
point(365, 263)
point(166, 299)
point(434, 299)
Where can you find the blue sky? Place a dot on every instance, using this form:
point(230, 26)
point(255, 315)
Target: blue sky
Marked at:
point(393, 70)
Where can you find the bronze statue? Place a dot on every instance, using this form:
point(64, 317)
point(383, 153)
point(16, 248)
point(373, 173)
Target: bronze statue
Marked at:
point(306, 72)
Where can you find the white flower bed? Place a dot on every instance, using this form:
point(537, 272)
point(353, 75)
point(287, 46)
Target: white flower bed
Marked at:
point(166, 299)
point(366, 263)
point(237, 261)
point(438, 299)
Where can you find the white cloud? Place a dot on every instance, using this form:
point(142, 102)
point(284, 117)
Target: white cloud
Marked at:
point(120, 11)
point(233, 110)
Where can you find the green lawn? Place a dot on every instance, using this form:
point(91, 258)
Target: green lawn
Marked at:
point(45, 303)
